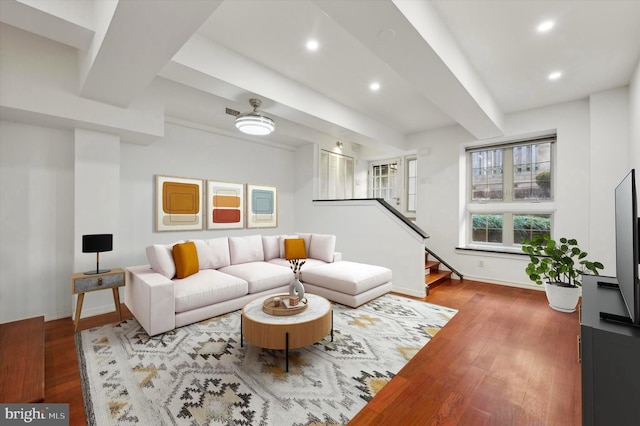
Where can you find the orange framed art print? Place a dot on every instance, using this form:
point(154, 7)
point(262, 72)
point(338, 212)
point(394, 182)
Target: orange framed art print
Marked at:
point(178, 204)
point(225, 205)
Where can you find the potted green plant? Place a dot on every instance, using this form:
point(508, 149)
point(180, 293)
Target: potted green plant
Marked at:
point(558, 265)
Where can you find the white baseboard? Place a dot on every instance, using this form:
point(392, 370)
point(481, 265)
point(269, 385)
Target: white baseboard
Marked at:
point(86, 312)
point(408, 292)
point(505, 283)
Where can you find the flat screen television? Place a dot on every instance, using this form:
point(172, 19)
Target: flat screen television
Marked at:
point(627, 248)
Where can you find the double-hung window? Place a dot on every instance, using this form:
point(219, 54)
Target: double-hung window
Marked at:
point(509, 192)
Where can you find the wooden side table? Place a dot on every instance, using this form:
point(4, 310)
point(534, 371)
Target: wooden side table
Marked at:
point(82, 283)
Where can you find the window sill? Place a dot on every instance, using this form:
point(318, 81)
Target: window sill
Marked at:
point(483, 251)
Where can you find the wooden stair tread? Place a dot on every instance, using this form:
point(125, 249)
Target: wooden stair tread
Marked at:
point(437, 275)
point(431, 264)
point(435, 278)
point(22, 361)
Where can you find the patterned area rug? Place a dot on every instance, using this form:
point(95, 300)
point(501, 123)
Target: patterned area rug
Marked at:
point(200, 375)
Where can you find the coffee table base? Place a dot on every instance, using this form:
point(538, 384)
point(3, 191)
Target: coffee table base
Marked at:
point(286, 348)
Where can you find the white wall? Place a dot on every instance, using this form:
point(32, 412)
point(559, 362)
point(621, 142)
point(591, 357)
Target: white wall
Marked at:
point(634, 118)
point(187, 152)
point(36, 221)
point(609, 163)
point(365, 231)
point(441, 165)
point(368, 233)
point(41, 221)
point(438, 177)
point(96, 207)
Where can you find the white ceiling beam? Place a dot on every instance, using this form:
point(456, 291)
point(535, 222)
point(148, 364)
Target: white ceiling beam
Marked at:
point(60, 27)
point(425, 54)
point(207, 66)
point(139, 38)
point(65, 110)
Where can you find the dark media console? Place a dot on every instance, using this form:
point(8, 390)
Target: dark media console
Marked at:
point(610, 356)
point(606, 282)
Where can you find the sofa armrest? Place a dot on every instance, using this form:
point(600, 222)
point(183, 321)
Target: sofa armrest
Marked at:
point(337, 256)
point(150, 298)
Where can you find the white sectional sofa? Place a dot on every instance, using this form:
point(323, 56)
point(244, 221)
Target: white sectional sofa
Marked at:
point(232, 271)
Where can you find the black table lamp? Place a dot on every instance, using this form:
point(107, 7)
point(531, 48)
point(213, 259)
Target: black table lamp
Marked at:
point(95, 244)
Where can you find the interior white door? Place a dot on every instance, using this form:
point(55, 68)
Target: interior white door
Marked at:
point(384, 181)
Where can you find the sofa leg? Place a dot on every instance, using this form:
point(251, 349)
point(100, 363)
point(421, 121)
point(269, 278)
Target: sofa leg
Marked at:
point(241, 335)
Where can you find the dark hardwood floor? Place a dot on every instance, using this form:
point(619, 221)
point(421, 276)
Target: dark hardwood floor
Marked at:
point(62, 376)
point(506, 358)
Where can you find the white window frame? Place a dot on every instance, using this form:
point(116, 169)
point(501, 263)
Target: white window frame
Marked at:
point(336, 183)
point(509, 207)
point(394, 198)
point(408, 161)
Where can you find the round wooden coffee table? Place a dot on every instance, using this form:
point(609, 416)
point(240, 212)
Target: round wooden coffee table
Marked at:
point(286, 332)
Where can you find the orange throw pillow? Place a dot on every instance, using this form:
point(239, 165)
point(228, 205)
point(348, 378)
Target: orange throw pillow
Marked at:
point(186, 258)
point(294, 249)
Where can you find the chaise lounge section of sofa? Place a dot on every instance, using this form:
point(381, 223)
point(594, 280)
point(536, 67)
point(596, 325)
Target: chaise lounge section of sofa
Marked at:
point(229, 272)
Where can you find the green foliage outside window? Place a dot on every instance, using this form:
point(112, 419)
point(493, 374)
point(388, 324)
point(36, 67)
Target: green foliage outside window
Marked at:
point(483, 221)
point(543, 180)
point(524, 227)
point(487, 228)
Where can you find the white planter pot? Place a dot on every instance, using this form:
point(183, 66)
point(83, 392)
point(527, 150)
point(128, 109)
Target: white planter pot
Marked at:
point(563, 299)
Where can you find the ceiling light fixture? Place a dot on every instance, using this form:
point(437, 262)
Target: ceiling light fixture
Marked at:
point(387, 34)
point(555, 75)
point(545, 26)
point(255, 123)
point(313, 45)
point(375, 86)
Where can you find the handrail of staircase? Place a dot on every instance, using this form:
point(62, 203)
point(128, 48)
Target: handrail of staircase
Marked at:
point(452, 269)
point(391, 209)
point(407, 222)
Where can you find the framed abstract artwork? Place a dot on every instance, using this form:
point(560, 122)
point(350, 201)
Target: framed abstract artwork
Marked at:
point(225, 205)
point(178, 204)
point(262, 206)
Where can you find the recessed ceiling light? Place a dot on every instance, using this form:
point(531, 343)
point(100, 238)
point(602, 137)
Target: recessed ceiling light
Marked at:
point(375, 86)
point(545, 26)
point(387, 34)
point(555, 75)
point(312, 45)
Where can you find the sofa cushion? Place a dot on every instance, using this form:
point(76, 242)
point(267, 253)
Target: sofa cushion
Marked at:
point(206, 288)
point(322, 247)
point(260, 276)
point(347, 277)
point(160, 259)
point(204, 254)
point(213, 253)
point(185, 257)
point(246, 249)
point(309, 263)
point(307, 240)
point(270, 246)
point(219, 252)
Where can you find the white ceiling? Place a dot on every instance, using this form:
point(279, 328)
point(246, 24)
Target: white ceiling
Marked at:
point(438, 62)
point(595, 43)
